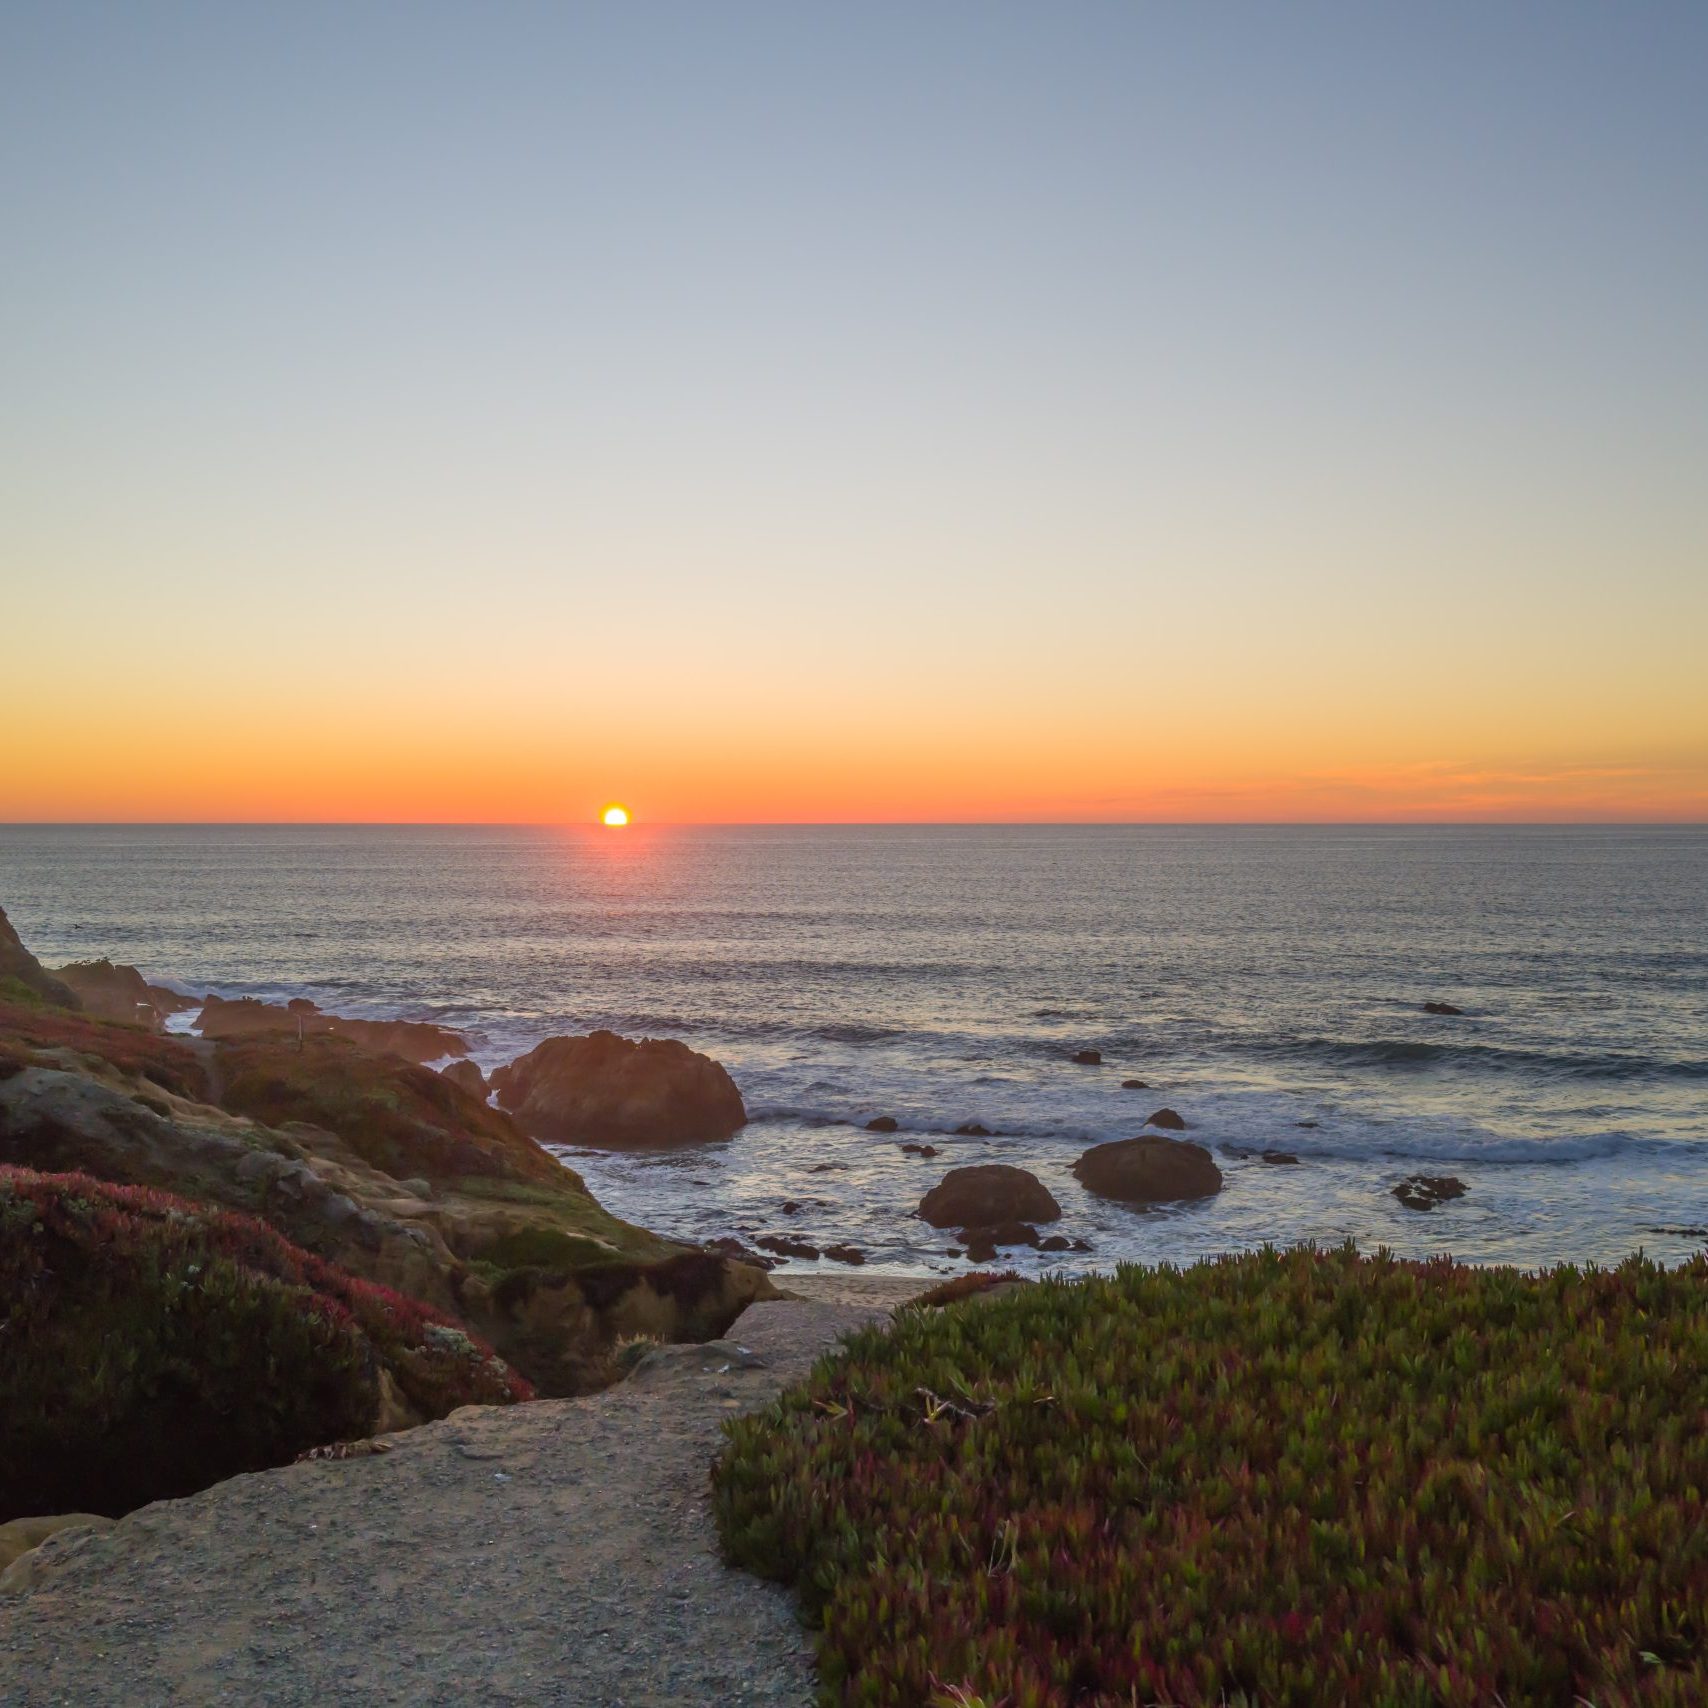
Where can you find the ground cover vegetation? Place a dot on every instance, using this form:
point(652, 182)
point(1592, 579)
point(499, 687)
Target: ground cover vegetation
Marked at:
point(1298, 1478)
point(152, 1346)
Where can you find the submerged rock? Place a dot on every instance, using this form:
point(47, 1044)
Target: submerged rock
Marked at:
point(920, 1150)
point(1134, 1085)
point(1425, 1191)
point(1149, 1170)
point(620, 1095)
point(972, 1130)
point(987, 1194)
point(785, 1245)
point(1441, 1008)
point(1088, 1058)
point(882, 1124)
point(1168, 1119)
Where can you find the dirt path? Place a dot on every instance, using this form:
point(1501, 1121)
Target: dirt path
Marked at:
point(559, 1552)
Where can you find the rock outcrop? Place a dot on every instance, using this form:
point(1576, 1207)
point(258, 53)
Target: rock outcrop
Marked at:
point(616, 1094)
point(1149, 1170)
point(1168, 1120)
point(1426, 1191)
point(986, 1195)
point(244, 1017)
point(468, 1075)
point(25, 975)
point(381, 1167)
point(121, 993)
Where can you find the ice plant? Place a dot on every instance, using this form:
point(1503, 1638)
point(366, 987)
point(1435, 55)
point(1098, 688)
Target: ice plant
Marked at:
point(1299, 1478)
point(152, 1346)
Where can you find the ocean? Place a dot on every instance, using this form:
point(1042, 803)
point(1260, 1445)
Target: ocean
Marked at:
point(1268, 983)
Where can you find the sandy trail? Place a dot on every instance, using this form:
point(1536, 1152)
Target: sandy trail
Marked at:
point(560, 1552)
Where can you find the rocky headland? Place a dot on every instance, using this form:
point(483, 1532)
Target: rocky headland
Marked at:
point(263, 1177)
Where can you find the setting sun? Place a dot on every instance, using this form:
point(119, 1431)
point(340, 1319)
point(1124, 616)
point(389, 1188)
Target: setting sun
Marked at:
point(615, 816)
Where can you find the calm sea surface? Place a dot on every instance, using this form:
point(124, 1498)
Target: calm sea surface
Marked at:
point(1267, 983)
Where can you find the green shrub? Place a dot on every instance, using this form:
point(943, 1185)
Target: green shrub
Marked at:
point(1289, 1478)
point(543, 1248)
point(150, 1346)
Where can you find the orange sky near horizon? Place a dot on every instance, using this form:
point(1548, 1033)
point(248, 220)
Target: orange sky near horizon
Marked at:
point(220, 764)
point(778, 414)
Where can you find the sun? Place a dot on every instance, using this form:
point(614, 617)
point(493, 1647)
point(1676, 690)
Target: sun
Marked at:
point(615, 816)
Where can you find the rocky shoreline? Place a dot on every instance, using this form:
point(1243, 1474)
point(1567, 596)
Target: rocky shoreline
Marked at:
point(285, 1153)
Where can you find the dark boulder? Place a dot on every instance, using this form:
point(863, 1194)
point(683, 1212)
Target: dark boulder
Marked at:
point(785, 1246)
point(1425, 1191)
point(1280, 1159)
point(620, 1095)
point(469, 1077)
point(982, 1244)
point(1088, 1058)
point(988, 1194)
point(882, 1124)
point(1134, 1085)
point(919, 1150)
point(1270, 1156)
point(845, 1254)
point(1441, 1008)
point(1056, 1242)
point(1168, 1119)
point(1149, 1170)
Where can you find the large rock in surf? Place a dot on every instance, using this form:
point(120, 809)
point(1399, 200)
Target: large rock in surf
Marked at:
point(22, 971)
point(617, 1094)
point(987, 1194)
point(1149, 1170)
point(121, 993)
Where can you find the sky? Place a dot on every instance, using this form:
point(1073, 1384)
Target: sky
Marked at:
point(786, 412)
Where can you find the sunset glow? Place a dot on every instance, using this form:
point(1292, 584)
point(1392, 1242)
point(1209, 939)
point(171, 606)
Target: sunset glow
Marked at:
point(615, 817)
point(792, 470)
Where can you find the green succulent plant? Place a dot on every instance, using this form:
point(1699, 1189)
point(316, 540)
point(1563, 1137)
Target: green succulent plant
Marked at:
point(1297, 1478)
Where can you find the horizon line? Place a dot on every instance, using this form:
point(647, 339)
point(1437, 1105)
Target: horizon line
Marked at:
point(865, 824)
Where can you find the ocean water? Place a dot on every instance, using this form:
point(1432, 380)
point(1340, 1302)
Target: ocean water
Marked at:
point(1267, 983)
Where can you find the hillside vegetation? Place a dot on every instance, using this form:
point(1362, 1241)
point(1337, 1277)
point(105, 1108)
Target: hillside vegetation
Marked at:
point(1293, 1478)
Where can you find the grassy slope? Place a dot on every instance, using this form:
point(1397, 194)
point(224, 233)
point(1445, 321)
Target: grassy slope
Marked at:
point(154, 1345)
point(1286, 1478)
